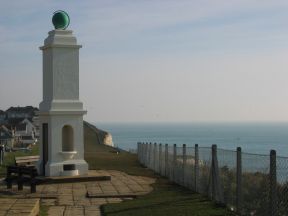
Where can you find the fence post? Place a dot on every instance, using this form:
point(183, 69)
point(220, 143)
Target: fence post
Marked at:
point(217, 194)
point(146, 154)
point(166, 161)
point(160, 159)
point(273, 184)
point(150, 155)
point(174, 162)
point(155, 158)
point(139, 152)
point(239, 181)
point(184, 165)
point(2, 148)
point(142, 152)
point(196, 168)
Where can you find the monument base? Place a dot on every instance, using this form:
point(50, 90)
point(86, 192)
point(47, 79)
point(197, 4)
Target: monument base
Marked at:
point(66, 168)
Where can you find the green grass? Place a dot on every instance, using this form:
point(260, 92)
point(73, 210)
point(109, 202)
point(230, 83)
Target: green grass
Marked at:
point(43, 211)
point(106, 157)
point(166, 199)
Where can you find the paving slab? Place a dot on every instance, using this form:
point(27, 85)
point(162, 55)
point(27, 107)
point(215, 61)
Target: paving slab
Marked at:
point(92, 211)
point(74, 211)
point(82, 202)
point(48, 202)
point(22, 207)
point(3, 212)
point(56, 211)
point(98, 202)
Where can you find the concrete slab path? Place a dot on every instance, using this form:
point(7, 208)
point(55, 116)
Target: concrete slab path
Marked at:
point(85, 198)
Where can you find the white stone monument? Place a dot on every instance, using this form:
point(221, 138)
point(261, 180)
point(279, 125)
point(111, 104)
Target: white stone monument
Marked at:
point(61, 112)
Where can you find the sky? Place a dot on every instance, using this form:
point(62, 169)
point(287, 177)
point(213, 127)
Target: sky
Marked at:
point(156, 60)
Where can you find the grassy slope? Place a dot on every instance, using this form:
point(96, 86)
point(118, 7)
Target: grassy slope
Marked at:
point(166, 199)
point(106, 157)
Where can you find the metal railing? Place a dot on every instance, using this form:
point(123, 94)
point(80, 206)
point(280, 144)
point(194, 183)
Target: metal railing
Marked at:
point(249, 184)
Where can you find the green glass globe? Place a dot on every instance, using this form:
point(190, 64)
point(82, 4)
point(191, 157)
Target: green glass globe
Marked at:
point(60, 20)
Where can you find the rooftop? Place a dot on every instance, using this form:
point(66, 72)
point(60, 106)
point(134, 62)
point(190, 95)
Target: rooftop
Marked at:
point(26, 109)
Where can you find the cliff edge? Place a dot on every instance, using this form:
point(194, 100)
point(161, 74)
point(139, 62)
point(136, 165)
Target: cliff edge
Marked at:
point(101, 137)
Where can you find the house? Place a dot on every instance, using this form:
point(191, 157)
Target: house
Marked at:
point(25, 132)
point(6, 137)
point(25, 128)
point(36, 123)
point(19, 130)
point(27, 140)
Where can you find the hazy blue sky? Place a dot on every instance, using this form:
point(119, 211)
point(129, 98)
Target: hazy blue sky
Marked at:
point(157, 60)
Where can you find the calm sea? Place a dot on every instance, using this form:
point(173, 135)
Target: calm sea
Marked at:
point(257, 138)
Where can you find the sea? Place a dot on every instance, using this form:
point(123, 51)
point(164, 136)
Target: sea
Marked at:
point(255, 138)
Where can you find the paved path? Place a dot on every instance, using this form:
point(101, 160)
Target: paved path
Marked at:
point(85, 198)
point(23, 207)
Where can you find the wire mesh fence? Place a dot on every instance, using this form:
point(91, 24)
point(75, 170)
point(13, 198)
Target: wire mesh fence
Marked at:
point(189, 171)
point(249, 184)
point(204, 173)
point(228, 176)
point(282, 186)
point(255, 184)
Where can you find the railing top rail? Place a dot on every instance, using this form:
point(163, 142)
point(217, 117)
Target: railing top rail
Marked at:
point(209, 147)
